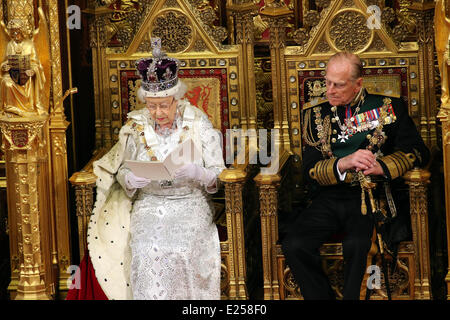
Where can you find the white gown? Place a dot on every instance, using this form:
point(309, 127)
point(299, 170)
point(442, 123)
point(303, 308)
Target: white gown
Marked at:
point(175, 249)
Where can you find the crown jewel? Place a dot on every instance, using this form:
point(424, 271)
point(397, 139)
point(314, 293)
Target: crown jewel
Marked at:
point(158, 73)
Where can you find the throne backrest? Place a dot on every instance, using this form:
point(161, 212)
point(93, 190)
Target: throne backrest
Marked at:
point(395, 77)
point(207, 81)
point(389, 68)
point(209, 68)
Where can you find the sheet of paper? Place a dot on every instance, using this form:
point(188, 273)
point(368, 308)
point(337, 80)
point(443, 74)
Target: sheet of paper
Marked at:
point(154, 170)
point(184, 153)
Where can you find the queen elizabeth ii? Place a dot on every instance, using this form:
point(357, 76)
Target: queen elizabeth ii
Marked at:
point(151, 239)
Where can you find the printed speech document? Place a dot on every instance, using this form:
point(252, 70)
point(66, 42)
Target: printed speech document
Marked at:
point(184, 153)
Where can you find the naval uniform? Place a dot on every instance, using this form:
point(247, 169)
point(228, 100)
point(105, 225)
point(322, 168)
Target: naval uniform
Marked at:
point(374, 122)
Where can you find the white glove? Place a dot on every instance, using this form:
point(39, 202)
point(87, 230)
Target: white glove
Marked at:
point(198, 173)
point(134, 182)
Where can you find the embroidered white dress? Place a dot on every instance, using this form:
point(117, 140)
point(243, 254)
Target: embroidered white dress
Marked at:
point(175, 249)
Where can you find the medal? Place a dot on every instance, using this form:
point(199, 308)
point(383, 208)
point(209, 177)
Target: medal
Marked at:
point(343, 137)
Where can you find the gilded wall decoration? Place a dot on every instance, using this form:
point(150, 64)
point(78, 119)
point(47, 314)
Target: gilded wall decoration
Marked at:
point(207, 13)
point(322, 3)
point(174, 29)
point(348, 31)
point(377, 45)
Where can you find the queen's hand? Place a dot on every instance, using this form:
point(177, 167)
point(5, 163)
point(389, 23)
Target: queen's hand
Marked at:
point(134, 182)
point(198, 173)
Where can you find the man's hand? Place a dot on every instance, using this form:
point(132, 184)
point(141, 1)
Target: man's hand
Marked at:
point(361, 160)
point(376, 170)
point(6, 68)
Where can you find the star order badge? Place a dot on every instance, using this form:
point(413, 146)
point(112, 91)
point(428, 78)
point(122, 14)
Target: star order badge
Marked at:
point(342, 137)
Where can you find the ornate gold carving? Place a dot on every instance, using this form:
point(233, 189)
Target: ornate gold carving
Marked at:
point(200, 46)
point(311, 18)
point(174, 29)
point(417, 180)
point(25, 71)
point(290, 285)
point(235, 230)
point(322, 3)
point(347, 3)
point(208, 15)
point(224, 279)
point(264, 102)
point(377, 45)
point(406, 17)
point(26, 165)
point(348, 31)
point(387, 15)
point(268, 199)
point(300, 36)
point(20, 135)
point(121, 20)
point(22, 10)
point(277, 20)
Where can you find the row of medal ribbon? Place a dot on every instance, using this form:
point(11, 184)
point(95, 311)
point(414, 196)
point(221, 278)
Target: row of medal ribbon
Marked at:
point(368, 120)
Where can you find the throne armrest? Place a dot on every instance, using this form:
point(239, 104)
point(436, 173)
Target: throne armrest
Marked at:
point(268, 185)
point(417, 180)
point(84, 182)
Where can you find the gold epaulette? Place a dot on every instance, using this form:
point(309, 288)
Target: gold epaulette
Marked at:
point(314, 102)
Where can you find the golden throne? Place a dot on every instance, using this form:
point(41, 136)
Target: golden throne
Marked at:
point(392, 68)
point(212, 73)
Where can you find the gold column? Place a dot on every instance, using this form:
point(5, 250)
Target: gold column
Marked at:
point(234, 180)
point(25, 147)
point(61, 255)
point(243, 14)
point(268, 198)
point(276, 15)
point(444, 117)
point(442, 38)
point(98, 43)
point(61, 251)
point(424, 11)
point(84, 183)
point(417, 179)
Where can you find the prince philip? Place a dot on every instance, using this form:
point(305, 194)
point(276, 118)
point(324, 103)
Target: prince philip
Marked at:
point(349, 137)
